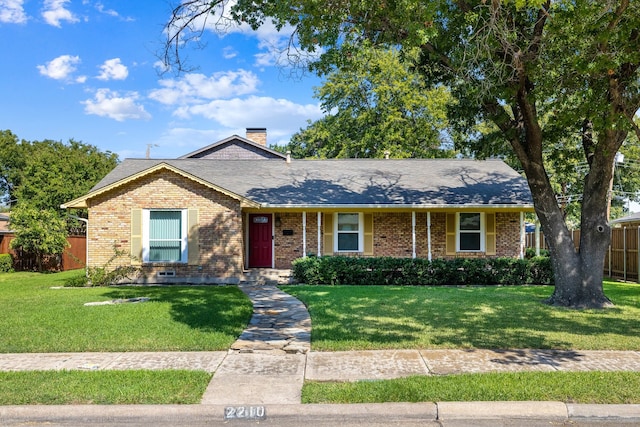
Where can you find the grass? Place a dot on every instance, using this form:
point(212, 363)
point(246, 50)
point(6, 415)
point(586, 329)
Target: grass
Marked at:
point(36, 318)
point(378, 317)
point(104, 387)
point(569, 387)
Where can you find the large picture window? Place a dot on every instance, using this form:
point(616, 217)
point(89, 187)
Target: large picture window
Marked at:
point(165, 236)
point(470, 232)
point(349, 232)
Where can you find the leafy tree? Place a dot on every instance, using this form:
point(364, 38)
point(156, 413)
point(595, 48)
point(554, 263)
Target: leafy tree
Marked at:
point(12, 161)
point(519, 64)
point(376, 106)
point(45, 174)
point(38, 231)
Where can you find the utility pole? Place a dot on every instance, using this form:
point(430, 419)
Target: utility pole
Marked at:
point(149, 149)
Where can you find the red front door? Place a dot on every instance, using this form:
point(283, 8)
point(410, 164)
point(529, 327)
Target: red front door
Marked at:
point(260, 242)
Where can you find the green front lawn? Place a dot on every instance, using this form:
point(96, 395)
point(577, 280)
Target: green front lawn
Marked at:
point(569, 387)
point(378, 317)
point(103, 387)
point(35, 318)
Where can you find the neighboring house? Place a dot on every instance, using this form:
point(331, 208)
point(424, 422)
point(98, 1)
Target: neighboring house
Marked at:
point(632, 220)
point(205, 219)
point(5, 233)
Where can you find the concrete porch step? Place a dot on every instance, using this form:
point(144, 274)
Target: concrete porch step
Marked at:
point(262, 276)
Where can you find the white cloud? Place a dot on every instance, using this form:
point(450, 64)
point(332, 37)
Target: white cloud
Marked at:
point(111, 12)
point(60, 68)
point(229, 52)
point(12, 12)
point(197, 88)
point(113, 69)
point(272, 112)
point(55, 12)
point(107, 103)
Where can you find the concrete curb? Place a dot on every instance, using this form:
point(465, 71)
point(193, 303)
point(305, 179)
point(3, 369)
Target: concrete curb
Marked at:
point(603, 411)
point(492, 410)
point(553, 411)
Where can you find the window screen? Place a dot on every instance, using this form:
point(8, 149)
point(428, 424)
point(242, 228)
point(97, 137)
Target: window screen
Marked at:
point(470, 232)
point(165, 236)
point(349, 232)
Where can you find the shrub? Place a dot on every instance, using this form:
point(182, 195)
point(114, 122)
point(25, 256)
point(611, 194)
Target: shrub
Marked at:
point(531, 253)
point(6, 263)
point(77, 281)
point(540, 271)
point(334, 270)
point(107, 274)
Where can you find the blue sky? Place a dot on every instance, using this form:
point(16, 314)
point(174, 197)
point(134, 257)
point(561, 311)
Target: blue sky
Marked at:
point(89, 70)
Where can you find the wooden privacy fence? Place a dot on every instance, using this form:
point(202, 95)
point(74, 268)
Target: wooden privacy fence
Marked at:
point(74, 256)
point(621, 260)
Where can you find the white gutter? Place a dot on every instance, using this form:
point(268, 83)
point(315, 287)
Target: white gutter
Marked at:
point(396, 206)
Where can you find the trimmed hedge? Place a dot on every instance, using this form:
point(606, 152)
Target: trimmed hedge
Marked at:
point(6, 263)
point(340, 270)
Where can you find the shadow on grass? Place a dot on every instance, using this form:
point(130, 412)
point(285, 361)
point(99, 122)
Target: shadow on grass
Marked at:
point(217, 308)
point(473, 317)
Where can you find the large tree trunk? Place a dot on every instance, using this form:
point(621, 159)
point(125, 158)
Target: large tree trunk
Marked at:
point(578, 273)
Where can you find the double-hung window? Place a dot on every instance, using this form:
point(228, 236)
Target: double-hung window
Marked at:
point(470, 232)
point(349, 232)
point(165, 237)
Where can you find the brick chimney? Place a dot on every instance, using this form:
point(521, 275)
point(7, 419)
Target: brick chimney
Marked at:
point(257, 135)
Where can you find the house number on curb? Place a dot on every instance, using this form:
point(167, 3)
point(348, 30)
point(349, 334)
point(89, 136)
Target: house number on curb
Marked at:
point(245, 413)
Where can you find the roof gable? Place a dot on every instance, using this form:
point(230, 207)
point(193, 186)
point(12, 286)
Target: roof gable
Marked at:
point(104, 187)
point(234, 148)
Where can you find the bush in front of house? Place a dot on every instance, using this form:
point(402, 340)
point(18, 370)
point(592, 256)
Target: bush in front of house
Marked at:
point(334, 270)
point(6, 263)
point(107, 274)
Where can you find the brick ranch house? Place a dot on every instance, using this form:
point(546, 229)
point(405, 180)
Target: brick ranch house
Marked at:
point(236, 205)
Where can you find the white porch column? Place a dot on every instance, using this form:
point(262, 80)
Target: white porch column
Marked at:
point(522, 235)
point(413, 234)
point(304, 234)
point(319, 234)
point(429, 235)
point(537, 238)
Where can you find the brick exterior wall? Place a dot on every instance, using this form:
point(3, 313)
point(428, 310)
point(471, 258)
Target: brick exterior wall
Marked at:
point(508, 234)
point(392, 234)
point(291, 246)
point(219, 217)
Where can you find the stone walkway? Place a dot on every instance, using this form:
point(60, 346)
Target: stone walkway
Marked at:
point(280, 322)
point(266, 365)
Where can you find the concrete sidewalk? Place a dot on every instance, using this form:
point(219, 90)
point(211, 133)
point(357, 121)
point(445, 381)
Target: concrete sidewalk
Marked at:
point(275, 378)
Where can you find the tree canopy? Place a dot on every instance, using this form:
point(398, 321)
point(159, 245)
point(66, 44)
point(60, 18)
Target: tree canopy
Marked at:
point(38, 231)
point(376, 106)
point(541, 72)
point(45, 174)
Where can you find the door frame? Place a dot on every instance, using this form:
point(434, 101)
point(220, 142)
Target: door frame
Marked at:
point(248, 234)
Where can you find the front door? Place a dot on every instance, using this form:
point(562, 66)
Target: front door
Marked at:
point(260, 241)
